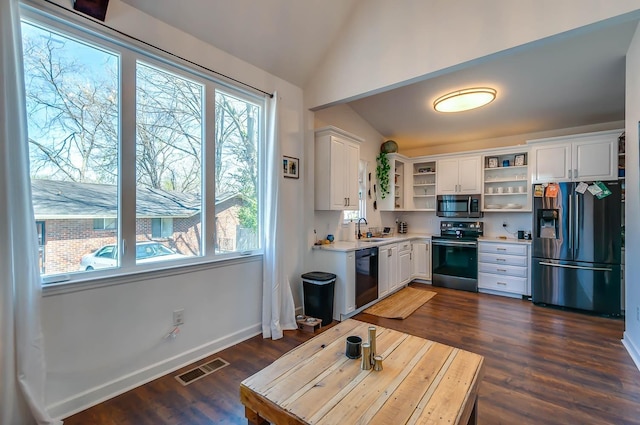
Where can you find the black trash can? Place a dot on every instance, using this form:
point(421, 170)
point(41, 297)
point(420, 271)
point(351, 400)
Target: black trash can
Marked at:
point(318, 290)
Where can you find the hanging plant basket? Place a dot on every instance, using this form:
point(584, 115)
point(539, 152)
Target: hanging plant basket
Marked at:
point(382, 173)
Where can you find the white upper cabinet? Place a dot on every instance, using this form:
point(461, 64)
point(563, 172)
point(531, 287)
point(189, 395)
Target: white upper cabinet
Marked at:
point(337, 154)
point(459, 176)
point(588, 157)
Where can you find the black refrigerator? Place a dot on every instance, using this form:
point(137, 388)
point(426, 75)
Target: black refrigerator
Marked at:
point(577, 248)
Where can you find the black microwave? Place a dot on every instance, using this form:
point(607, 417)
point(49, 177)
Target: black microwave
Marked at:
point(459, 206)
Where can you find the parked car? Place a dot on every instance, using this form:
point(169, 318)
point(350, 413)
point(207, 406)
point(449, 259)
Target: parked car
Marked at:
point(146, 252)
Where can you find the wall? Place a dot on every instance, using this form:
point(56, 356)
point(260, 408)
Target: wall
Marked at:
point(102, 341)
point(632, 203)
point(386, 46)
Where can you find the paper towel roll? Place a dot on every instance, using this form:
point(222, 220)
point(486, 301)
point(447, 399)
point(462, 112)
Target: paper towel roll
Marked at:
point(351, 231)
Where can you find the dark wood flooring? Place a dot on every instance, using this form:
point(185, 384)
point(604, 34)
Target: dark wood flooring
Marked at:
point(543, 366)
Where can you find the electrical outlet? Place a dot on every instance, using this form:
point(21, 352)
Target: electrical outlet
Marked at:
point(178, 317)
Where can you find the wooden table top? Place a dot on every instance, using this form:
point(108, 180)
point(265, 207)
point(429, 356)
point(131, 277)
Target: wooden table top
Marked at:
point(422, 382)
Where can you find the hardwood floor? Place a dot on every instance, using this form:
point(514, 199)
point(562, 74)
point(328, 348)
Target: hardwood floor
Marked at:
point(543, 366)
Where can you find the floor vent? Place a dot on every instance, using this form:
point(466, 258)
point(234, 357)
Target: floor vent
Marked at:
point(201, 371)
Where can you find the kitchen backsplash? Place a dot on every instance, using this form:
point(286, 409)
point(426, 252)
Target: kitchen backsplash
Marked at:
point(330, 222)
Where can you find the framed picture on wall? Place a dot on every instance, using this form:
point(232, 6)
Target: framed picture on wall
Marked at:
point(493, 162)
point(519, 160)
point(290, 167)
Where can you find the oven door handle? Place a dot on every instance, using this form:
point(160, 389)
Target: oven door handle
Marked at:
point(469, 205)
point(453, 243)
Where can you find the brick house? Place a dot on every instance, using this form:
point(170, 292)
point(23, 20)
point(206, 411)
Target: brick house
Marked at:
point(74, 219)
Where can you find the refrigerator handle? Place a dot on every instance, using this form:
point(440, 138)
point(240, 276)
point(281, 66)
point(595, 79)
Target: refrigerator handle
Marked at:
point(569, 266)
point(577, 217)
point(570, 222)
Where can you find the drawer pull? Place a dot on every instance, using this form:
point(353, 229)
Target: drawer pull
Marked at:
point(501, 270)
point(501, 249)
point(501, 259)
point(501, 283)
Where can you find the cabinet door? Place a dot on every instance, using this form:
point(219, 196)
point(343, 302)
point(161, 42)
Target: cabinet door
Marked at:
point(418, 252)
point(447, 176)
point(595, 160)
point(428, 260)
point(551, 163)
point(393, 268)
point(352, 158)
point(469, 171)
point(350, 290)
point(383, 271)
point(338, 172)
point(421, 259)
point(404, 264)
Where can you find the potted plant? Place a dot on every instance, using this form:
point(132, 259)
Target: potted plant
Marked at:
point(382, 173)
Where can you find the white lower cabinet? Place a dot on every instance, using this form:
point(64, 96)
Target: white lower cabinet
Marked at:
point(421, 259)
point(404, 263)
point(503, 267)
point(387, 269)
point(343, 264)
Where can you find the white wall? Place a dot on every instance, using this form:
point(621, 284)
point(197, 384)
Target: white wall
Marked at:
point(99, 342)
point(385, 45)
point(632, 202)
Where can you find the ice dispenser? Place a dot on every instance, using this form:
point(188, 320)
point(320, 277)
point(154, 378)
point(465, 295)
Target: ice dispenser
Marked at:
point(548, 224)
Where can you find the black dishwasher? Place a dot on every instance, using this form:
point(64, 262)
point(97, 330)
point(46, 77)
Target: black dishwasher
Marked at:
point(366, 276)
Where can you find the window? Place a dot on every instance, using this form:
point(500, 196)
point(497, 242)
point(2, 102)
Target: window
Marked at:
point(105, 223)
point(85, 129)
point(363, 181)
point(161, 227)
point(236, 178)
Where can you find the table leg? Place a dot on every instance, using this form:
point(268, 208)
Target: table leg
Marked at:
point(473, 419)
point(253, 418)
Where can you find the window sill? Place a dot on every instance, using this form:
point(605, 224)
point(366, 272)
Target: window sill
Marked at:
point(88, 282)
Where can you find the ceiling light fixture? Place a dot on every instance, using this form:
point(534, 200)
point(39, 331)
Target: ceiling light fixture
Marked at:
point(464, 100)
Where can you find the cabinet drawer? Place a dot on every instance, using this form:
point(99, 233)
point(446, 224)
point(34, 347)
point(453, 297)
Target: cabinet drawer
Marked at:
point(404, 246)
point(508, 260)
point(503, 248)
point(516, 285)
point(500, 269)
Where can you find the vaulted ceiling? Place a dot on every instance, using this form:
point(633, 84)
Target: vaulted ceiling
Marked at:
point(574, 79)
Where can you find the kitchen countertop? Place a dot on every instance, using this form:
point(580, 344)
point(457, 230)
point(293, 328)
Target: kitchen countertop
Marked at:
point(508, 240)
point(345, 246)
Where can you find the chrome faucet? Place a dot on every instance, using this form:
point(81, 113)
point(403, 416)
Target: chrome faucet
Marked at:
point(365, 222)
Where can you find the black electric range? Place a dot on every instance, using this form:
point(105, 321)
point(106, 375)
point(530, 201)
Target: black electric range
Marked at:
point(454, 256)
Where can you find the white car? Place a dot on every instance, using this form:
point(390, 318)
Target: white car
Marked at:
point(146, 252)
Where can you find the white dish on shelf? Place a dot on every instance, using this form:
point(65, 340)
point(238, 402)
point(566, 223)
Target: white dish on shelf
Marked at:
point(513, 206)
point(493, 206)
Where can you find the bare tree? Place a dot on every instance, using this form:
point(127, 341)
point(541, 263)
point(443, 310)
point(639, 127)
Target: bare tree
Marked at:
point(72, 113)
point(169, 130)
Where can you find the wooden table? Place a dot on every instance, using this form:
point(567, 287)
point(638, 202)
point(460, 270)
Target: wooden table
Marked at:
point(422, 382)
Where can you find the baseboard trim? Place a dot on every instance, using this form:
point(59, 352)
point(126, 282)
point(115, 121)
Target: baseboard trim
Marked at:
point(108, 390)
point(632, 349)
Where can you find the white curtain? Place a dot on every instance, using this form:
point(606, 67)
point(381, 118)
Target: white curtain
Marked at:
point(22, 370)
point(278, 309)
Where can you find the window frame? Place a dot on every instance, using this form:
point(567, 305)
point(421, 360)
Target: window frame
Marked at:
point(130, 53)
